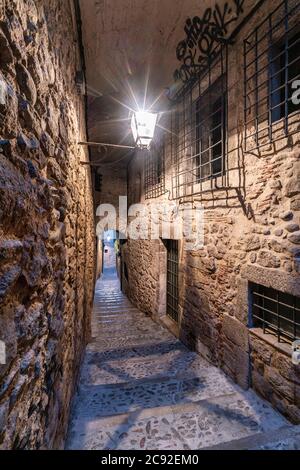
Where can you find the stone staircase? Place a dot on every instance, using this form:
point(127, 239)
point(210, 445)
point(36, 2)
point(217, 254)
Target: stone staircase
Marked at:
point(140, 388)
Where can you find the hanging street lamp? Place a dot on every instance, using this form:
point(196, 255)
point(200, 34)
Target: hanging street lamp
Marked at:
point(143, 126)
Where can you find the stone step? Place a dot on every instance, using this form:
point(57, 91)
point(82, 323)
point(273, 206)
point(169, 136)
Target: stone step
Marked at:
point(116, 306)
point(189, 426)
point(122, 317)
point(285, 438)
point(140, 388)
point(117, 329)
point(125, 320)
point(107, 344)
point(113, 303)
point(134, 335)
point(121, 313)
point(108, 400)
point(100, 370)
point(131, 351)
point(115, 311)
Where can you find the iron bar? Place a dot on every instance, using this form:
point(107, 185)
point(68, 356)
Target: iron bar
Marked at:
point(275, 311)
point(199, 153)
point(154, 170)
point(271, 59)
point(102, 144)
point(172, 279)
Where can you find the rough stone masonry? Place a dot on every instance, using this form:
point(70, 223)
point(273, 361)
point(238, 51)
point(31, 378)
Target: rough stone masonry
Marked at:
point(46, 222)
point(252, 235)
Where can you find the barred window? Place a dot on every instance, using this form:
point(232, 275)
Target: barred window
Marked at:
point(154, 174)
point(210, 132)
point(199, 130)
point(276, 312)
point(281, 55)
point(271, 66)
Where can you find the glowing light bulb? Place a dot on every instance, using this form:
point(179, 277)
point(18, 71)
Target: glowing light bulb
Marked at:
point(143, 126)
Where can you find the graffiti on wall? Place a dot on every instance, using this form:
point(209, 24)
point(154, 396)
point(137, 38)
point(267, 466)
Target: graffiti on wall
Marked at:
point(203, 35)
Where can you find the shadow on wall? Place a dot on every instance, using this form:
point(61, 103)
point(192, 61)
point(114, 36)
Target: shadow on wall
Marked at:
point(198, 320)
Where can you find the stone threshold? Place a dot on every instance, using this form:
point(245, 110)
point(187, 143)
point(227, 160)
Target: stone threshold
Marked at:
point(261, 439)
point(169, 324)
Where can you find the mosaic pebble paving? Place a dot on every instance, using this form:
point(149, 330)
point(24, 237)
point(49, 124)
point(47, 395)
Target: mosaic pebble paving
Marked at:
point(140, 388)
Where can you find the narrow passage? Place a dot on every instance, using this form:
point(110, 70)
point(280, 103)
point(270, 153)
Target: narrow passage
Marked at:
point(141, 388)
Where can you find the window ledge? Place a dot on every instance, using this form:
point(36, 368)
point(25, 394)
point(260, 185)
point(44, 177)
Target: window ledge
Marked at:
point(272, 341)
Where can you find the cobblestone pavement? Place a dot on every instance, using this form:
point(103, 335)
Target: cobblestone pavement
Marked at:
point(140, 388)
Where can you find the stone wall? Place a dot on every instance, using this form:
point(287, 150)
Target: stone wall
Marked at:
point(142, 279)
point(46, 222)
point(114, 184)
point(251, 232)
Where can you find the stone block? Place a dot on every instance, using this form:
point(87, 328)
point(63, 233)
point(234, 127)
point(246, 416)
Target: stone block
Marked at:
point(285, 367)
point(275, 278)
point(268, 260)
point(292, 187)
point(294, 237)
point(292, 227)
point(295, 204)
point(252, 243)
point(236, 332)
point(235, 362)
point(281, 386)
point(293, 413)
point(278, 232)
point(261, 385)
point(7, 280)
point(275, 245)
point(10, 248)
point(287, 215)
point(6, 57)
point(262, 350)
point(26, 83)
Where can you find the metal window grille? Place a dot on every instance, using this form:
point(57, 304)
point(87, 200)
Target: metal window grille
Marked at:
point(154, 174)
point(271, 65)
point(172, 279)
point(275, 312)
point(199, 129)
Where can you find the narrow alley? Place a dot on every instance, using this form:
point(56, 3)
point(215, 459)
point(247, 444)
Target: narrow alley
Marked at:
point(141, 388)
point(149, 226)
